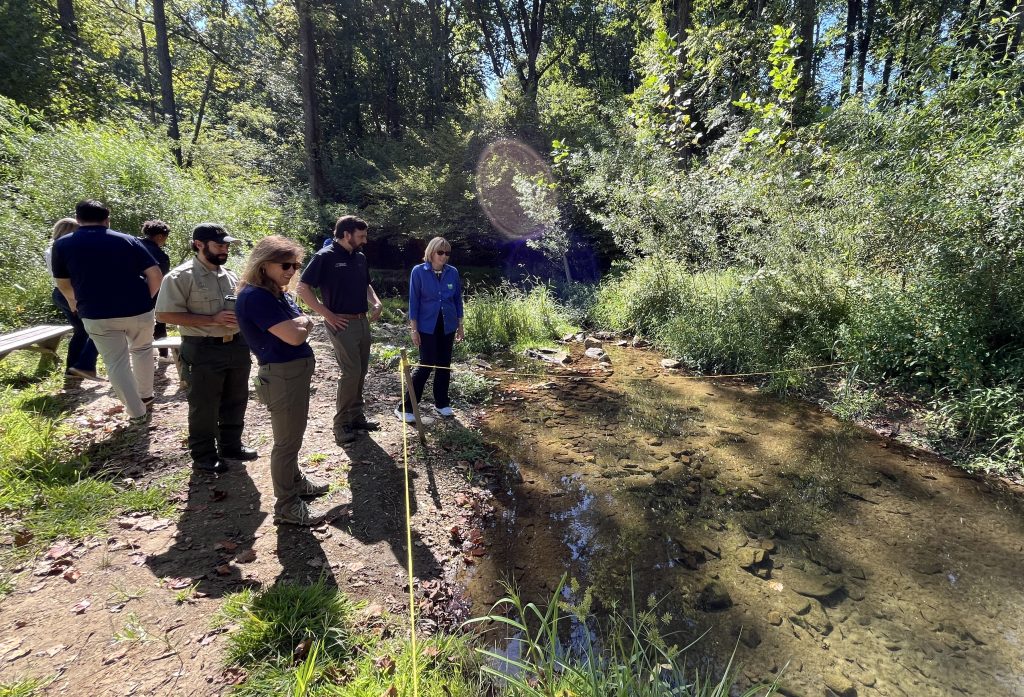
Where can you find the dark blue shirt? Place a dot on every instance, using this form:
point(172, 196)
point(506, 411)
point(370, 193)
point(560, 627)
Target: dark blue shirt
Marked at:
point(342, 277)
point(107, 271)
point(162, 260)
point(430, 296)
point(257, 310)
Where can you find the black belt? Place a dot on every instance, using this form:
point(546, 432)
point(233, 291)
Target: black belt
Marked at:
point(216, 340)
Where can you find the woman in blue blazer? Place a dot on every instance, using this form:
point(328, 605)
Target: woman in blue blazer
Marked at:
point(435, 320)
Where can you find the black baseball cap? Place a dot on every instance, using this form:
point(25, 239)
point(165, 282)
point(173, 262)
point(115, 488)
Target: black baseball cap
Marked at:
point(212, 232)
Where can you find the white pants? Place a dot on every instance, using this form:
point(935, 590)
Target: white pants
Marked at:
point(116, 338)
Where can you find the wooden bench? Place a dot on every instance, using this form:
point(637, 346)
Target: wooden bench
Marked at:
point(171, 343)
point(43, 339)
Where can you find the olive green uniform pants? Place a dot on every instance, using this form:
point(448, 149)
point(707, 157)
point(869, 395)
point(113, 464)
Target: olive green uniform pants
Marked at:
point(284, 389)
point(352, 349)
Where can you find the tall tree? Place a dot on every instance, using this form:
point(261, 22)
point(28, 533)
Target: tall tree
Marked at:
point(864, 41)
point(807, 15)
point(163, 52)
point(310, 100)
point(852, 24)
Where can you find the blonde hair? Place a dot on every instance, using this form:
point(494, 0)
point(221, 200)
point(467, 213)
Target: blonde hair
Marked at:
point(64, 226)
point(274, 248)
point(433, 246)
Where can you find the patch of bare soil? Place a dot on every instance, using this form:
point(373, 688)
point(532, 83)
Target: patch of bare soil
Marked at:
point(131, 613)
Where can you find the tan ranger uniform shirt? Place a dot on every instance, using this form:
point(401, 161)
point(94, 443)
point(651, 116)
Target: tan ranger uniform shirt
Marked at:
point(193, 288)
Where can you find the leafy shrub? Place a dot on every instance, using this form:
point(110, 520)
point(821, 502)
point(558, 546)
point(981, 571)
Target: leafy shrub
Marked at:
point(129, 167)
point(470, 387)
point(507, 317)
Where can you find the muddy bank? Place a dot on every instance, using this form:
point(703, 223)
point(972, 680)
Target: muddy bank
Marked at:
point(864, 567)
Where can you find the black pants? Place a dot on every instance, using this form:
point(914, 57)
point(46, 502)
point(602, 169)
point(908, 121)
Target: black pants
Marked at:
point(82, 351)
point(218, 393)
point(435, 349)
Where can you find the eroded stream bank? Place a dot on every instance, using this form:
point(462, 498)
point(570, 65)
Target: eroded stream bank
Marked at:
point(868, 568)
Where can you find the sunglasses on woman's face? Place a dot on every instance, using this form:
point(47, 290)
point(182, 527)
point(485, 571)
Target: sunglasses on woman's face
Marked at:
point(442, 254)
point(288, 265)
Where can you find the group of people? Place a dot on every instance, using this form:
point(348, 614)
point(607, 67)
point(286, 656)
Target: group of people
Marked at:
point(118, 292)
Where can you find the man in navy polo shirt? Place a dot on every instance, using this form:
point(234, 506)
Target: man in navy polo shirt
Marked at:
point(341, 274)
point(110, 279)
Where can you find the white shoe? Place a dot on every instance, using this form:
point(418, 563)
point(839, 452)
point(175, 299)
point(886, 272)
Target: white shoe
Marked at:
point(446, 412)
point(411, 418)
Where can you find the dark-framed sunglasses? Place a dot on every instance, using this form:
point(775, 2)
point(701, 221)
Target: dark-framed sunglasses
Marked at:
point(442, 253)
point(287, 265)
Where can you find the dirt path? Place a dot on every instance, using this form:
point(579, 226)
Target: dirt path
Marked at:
point(114, 615)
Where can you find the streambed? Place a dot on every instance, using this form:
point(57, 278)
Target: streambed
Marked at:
point(858, 565)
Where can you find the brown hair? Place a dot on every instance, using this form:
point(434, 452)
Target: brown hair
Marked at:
point(64, 226)
point(274, 248)
point(348, 223)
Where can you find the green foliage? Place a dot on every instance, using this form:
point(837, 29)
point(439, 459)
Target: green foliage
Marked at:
point(470, 387)
point(302, 640)
point(627, 655)
point(463, 443)
point(506, 318)
point(730, 320)
point(129, 168)
point(23, 688)
point(45, 487)
point(273, 623)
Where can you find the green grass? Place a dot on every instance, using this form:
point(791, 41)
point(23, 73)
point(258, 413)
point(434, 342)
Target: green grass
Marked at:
point(23, 688)
point(507, 318)
point(47, 489)
point(629, 656)
point(463, 443)
point(303, 640)
point(470, 387)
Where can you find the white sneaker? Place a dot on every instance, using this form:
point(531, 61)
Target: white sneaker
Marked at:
point(411, 418)
point(446, 412)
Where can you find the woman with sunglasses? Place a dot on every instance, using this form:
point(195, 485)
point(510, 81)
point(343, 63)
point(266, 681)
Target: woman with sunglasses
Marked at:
point(435, 317)
point(276, 331)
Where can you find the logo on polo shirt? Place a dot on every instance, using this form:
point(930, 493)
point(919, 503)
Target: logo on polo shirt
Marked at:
point(341, 264)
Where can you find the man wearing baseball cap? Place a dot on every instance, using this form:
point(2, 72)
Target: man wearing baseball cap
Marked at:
point(198, 296)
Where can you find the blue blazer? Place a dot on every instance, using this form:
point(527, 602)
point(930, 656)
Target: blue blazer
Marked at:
point(429, 297)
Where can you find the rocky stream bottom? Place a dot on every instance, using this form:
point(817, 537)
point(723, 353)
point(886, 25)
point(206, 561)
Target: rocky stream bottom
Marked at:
point(851, 563)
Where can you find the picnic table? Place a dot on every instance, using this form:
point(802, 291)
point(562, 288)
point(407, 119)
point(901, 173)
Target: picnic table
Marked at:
point(43, 339)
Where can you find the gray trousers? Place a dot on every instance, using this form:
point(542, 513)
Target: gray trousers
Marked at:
point(352, 349)
point(284, 389)
point(126, 346)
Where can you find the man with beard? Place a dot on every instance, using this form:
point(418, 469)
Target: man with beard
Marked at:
point(198, 297)
point(342, 275)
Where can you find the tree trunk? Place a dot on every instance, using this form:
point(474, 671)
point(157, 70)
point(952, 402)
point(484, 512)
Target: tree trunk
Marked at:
point(310, 100)
point(864, 44)
point(163, 53)
point(1010, 9)
point(438, 39)
point(68, 23)
point(201, 112)
point(890, 25)
point(852, 23)
point(147, 78)
point(808, 15)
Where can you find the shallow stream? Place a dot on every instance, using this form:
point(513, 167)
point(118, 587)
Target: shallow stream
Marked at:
point(856, 564)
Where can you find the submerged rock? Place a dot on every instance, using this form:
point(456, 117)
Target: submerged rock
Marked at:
point(549, 355)
point(590, 342)
point(714, 597)
point(597, 353)
point(813, 585)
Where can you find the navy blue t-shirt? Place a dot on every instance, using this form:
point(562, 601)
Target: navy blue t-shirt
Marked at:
point(342, 277)
point(257, 310)
point(107, 271)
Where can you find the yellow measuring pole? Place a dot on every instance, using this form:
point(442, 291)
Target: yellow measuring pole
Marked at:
point(403, 371)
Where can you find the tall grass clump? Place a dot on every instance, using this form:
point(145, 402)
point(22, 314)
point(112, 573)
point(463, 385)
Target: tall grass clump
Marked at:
point(508, 318)
point(733, 319)
point(304, 640)
point(627, 656)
